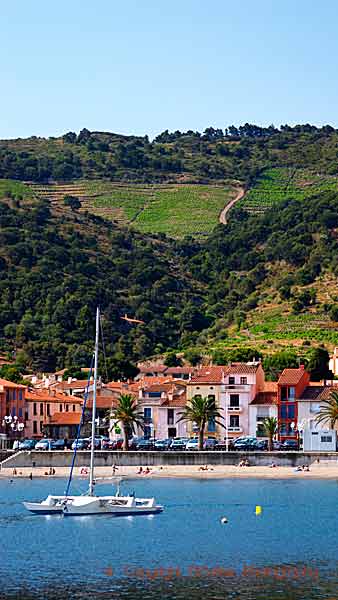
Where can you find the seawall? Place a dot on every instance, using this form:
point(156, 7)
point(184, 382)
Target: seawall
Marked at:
point(134, 459)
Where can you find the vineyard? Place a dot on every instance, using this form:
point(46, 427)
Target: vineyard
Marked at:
point(279, 184)
point(176, 210)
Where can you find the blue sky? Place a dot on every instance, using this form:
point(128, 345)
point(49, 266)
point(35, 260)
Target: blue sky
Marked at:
point(142, 66)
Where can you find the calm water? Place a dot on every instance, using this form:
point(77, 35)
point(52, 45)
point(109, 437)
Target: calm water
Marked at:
point(288, 552)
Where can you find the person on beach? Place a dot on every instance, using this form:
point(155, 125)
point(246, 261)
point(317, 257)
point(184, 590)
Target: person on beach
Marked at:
point(241, 463)
point(273, 465)
point(246, 463)
point(114, 469)
point(14, 472)
point(31, 476)
point(140, 471)
point(147, 471)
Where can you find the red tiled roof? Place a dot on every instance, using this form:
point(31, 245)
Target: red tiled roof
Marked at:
point(102, 402)
point(268, 395)
point(212, 374)
point(46, 396)
point(238, 368)
point(180, 370)
point(64, 418)
point(77, 384)
point(178, 401)
point(10, 384)
point(291, 376)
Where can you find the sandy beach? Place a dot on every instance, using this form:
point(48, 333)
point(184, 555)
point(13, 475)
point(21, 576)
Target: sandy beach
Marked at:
point(317, 471)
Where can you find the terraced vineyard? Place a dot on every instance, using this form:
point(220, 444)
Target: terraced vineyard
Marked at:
point(176, 210)
point(277, 185)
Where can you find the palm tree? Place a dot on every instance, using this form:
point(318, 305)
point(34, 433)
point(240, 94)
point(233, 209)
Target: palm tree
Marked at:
point(127, 415)
point(329, 410)
point(200, 411)
point(270, 427)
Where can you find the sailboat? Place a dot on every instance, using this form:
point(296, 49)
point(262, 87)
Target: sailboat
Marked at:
point(89, 503)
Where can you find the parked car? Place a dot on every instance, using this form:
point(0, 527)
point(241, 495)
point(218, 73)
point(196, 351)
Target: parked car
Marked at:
point(57, 445)
point(209, 444)
point(107, 444)
point(145, 445)
point(245, 444)
point(162, 444)
point(27, 444)
point(178, 444)
point(44, 444)
point(290, 445)
point(82, 444)
point(277, 445)
point(261, 444)
point(192, 444)
point(222, 445)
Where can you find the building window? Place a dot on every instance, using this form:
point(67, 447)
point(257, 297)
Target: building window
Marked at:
point(35, 427)
point(147, 414)
point(287, 411)
point(170, 416)
point(211, 425)
point(35, 412)
point(60, 407)
point(292, 393)
point(41, 409)
point(67, 408)
point(20, 412)
point(244, 380)
point(48, 410)
point(13, 411)
point(234, 400)
point(211, 398)
point(231, 380)
point(26, 415)
point(20, 395)
point(74, 408)
point(234, 421)
point(326, 438)
point(14, 394)
point(284, 394)
point(41, 426)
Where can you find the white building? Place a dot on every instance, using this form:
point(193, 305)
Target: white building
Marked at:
point(316, 436)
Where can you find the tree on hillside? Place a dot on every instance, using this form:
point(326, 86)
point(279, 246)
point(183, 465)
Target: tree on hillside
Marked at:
point(171, 360)
point(274, 364)
point(200, 411)
point(318, 364)
point(72, 201)
point(126, 415)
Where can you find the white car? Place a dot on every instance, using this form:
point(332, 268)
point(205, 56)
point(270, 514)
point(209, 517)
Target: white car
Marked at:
point(192, 444)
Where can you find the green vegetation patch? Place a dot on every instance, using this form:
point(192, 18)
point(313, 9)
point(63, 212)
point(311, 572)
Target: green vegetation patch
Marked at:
point(277, 185)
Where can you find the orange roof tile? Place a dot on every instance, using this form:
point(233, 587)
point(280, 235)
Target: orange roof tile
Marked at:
point(10, 384)
point(212, 374)
point(268, 395)
point(46, 396)
point(64, 418)
point(291, 376)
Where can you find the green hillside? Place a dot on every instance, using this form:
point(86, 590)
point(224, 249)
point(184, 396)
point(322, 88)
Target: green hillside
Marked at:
point(277, 185)
point(176, 210)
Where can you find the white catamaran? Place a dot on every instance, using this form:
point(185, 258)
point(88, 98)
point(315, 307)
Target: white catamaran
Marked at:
point(89, 503)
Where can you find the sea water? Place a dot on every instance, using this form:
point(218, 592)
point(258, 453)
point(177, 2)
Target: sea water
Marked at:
point(288, 551)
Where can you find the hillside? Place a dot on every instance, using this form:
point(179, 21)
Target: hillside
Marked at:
point(266, 281)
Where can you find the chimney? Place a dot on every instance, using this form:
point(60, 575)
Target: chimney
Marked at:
point(69, 380)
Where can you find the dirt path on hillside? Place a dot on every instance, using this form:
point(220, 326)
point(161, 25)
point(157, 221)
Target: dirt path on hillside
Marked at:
point(239, 196)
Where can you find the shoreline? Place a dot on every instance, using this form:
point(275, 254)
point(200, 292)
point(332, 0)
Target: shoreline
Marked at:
point(320, 471)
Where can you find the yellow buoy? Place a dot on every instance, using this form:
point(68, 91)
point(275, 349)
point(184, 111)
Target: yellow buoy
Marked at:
point(258, 510)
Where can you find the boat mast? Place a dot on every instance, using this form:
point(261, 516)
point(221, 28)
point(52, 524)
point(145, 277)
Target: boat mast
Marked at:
point(92, 449)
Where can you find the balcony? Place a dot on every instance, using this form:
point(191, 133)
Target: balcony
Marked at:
point(235, 409)
point(236, 387)
point(235, 430)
